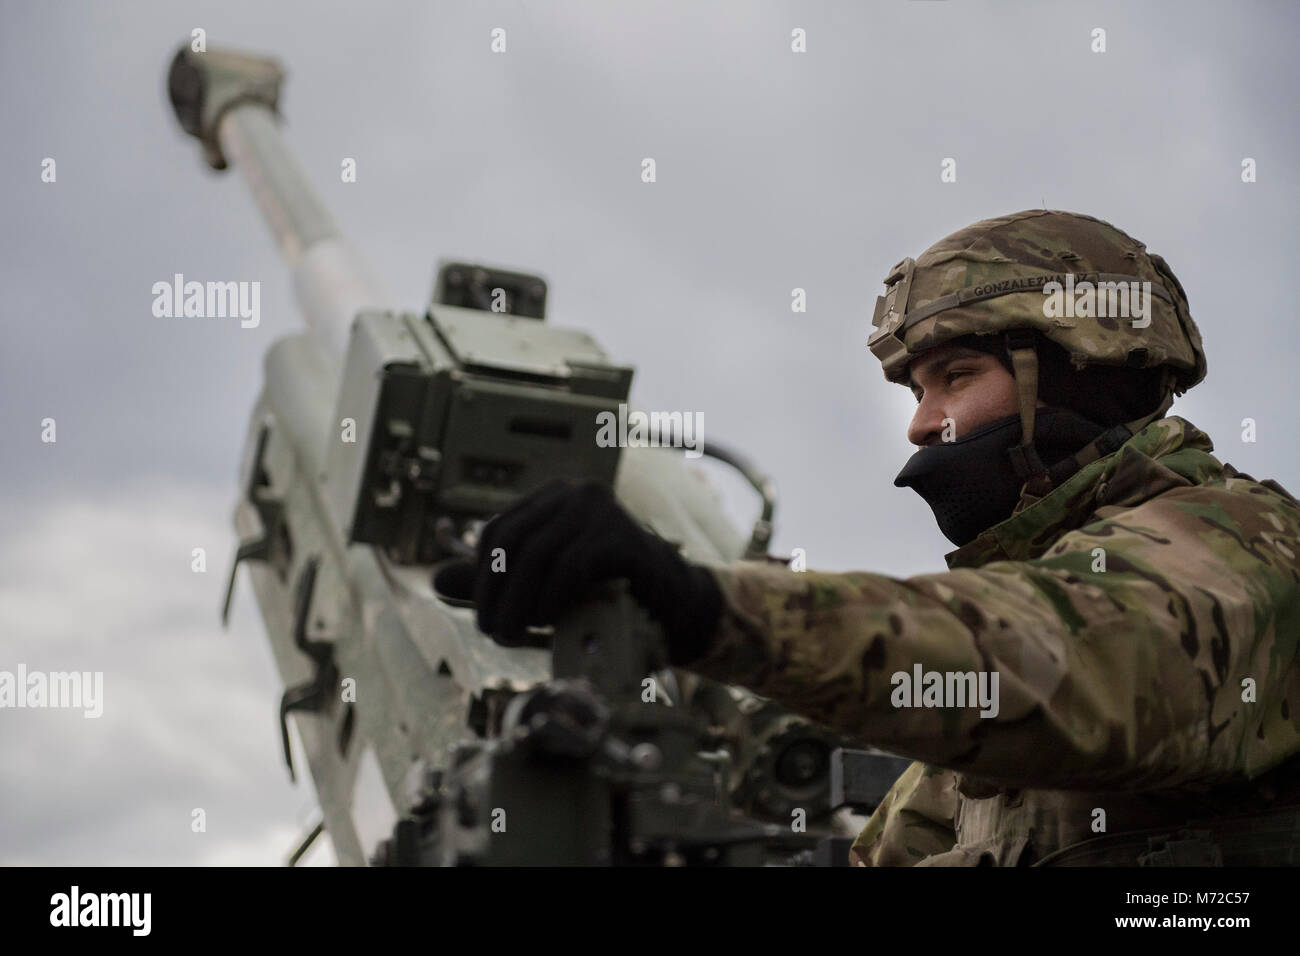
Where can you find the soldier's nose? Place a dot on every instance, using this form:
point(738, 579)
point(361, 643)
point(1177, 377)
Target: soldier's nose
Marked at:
point(925, 426)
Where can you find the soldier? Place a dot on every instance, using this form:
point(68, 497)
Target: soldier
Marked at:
point(1131, 602)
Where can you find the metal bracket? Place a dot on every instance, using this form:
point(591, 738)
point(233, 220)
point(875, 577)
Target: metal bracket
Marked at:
point(270, 512)
point(310, 695)
point(861, 778)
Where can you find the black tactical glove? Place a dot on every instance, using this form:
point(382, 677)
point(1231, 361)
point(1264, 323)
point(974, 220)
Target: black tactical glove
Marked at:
point(565, 538)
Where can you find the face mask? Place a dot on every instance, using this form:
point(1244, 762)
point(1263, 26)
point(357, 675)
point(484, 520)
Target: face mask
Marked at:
point(970, 483)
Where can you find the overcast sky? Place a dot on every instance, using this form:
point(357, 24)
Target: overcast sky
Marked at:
point(775, 170)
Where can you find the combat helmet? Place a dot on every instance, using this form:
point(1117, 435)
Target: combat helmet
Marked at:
point(1048, 272)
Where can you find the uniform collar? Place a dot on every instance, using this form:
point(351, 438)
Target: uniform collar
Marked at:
point(1169, 453)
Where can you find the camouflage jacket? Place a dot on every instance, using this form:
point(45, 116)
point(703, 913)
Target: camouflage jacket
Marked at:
point(1142, 619)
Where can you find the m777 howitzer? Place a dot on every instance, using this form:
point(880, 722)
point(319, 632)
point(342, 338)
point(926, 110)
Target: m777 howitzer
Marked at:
point(381, 442)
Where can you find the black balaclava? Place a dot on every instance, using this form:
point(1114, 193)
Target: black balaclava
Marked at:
point(970, 484)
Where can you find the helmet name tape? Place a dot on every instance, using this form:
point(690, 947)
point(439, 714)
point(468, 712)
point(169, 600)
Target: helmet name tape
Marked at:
point(990, 290)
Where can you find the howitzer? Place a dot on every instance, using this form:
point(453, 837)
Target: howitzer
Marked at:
point(381, 442)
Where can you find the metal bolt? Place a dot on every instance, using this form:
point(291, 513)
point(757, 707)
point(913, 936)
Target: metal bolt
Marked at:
point(647, 756)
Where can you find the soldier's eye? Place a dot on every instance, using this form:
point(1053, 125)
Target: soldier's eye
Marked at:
point(953, 373)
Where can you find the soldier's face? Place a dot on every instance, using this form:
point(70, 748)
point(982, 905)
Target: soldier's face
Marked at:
point(958, 387)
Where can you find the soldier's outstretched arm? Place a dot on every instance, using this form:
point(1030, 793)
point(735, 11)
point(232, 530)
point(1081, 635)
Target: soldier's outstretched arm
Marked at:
point(1176, 662)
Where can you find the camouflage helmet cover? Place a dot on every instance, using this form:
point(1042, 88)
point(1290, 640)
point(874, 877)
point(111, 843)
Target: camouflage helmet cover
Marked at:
point(989, 278)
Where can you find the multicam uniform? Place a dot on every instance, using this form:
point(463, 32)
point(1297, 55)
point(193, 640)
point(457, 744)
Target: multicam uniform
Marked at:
point(1127, 690)
point(1142, 614)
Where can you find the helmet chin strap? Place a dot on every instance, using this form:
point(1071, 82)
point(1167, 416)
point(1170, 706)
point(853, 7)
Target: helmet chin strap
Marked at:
point(1040, 479)
point(1024, 457)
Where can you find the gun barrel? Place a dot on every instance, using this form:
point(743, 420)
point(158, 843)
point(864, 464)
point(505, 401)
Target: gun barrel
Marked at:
point(250, 136)
point(229, 102)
